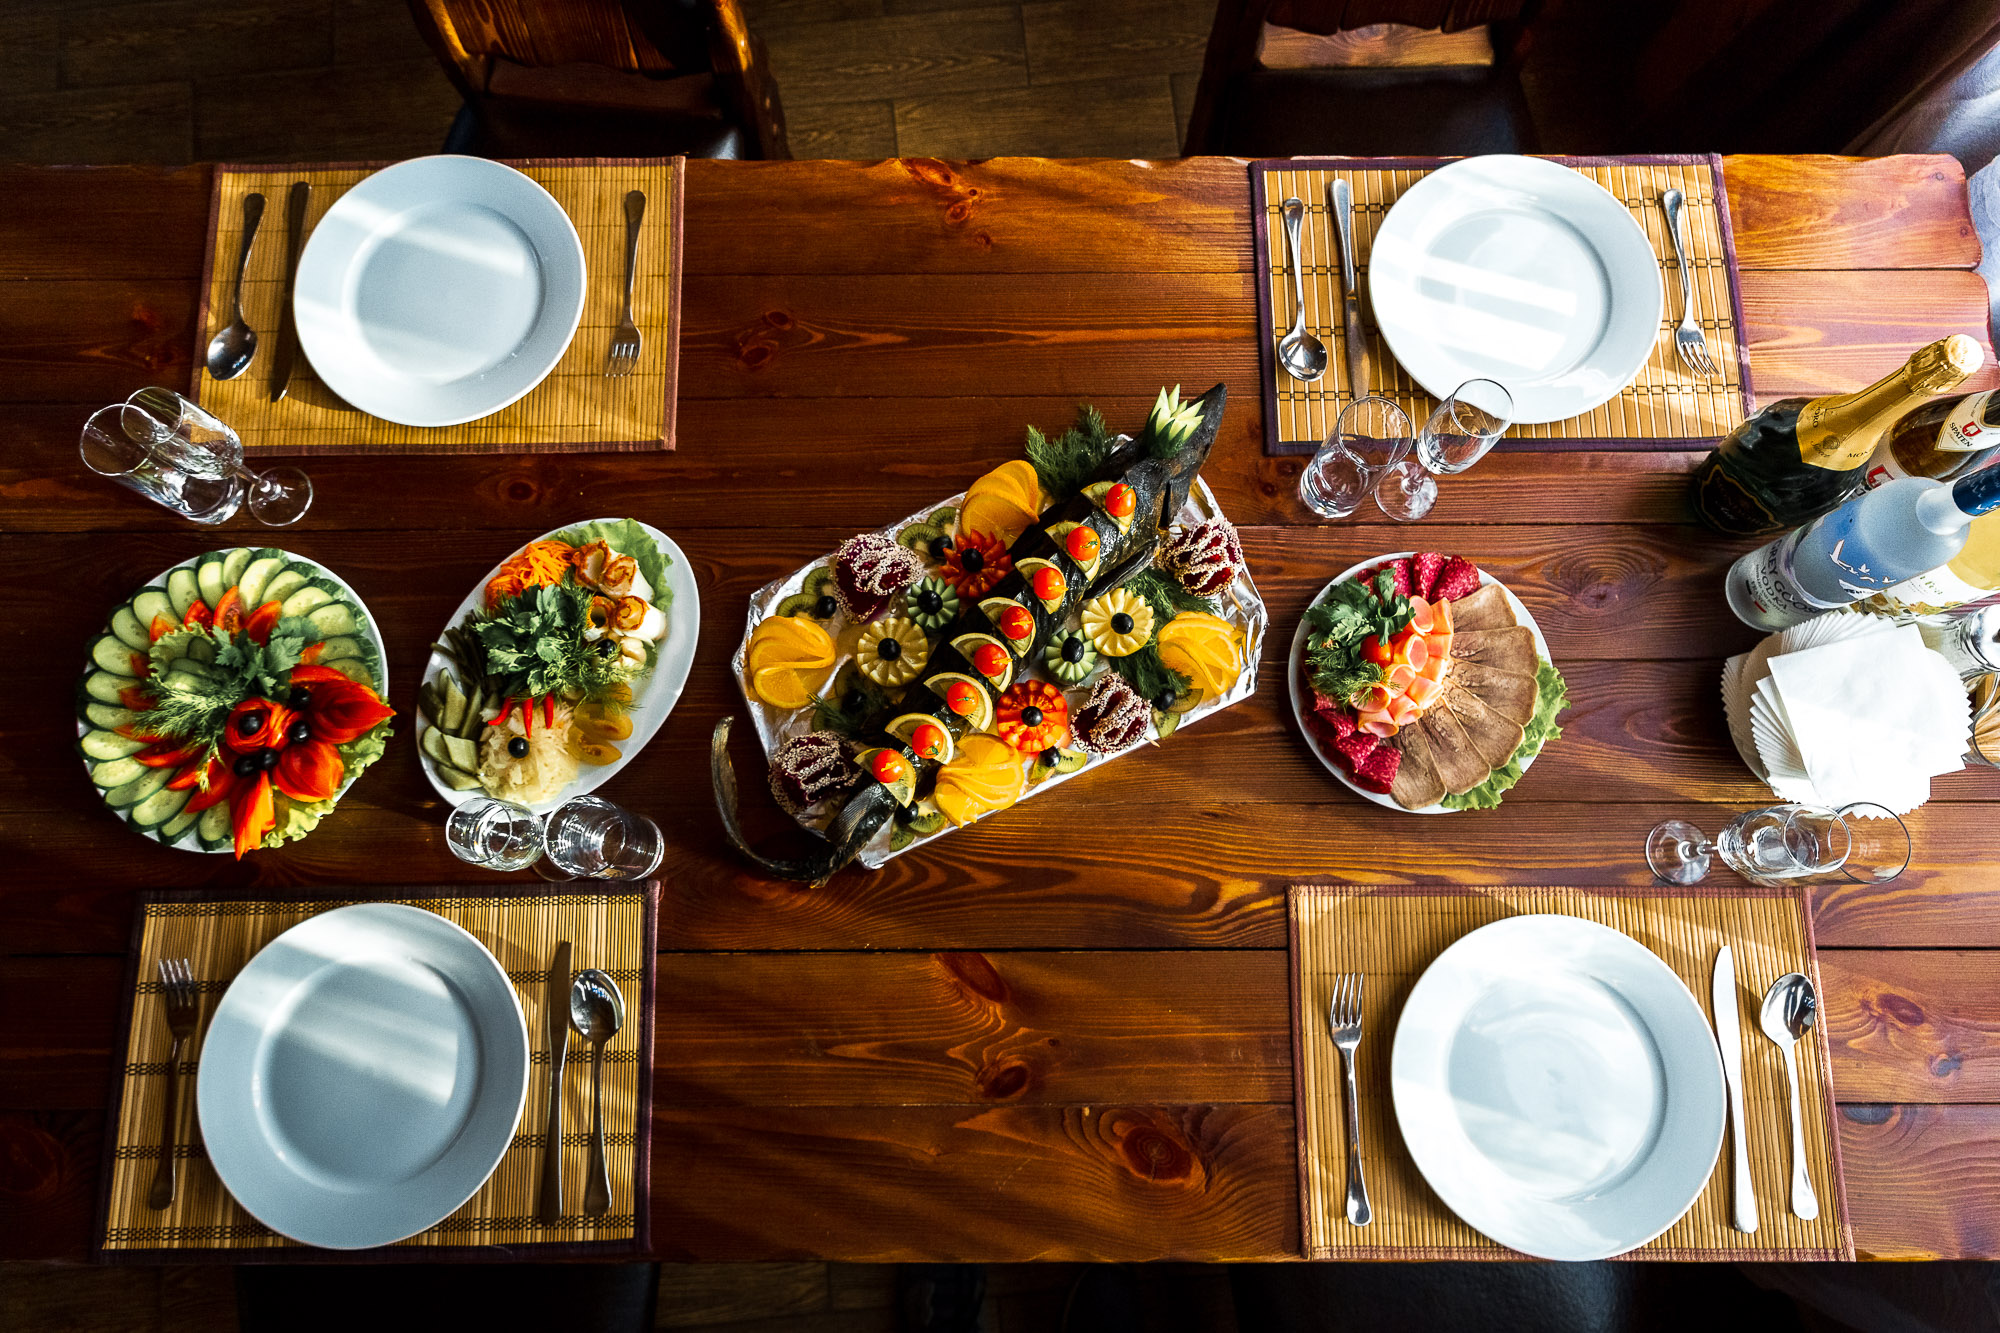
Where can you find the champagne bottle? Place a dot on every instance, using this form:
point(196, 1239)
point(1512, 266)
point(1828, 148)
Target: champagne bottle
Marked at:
point(1799, 457)
point(1943, 439)
point(1972, 575)
point(1872, 542)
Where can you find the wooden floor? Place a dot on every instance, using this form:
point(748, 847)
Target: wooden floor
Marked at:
point(704, 1298)
point(174, 81)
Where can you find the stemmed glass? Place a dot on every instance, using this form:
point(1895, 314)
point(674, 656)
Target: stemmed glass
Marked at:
point(1787, 844)
point(1466, 425)
point(170, 451)
point(1370, 436)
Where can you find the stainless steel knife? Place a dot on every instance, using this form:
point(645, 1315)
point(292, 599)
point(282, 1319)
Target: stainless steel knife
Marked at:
point(1340, 202)
point(288, 329)
point(1729, 1036)
point(555, 1021)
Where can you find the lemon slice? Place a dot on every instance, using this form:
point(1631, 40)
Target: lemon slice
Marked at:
point(1005, 611)
point(976, 708)
point(781, 687)
point(1054, 581)
point(892, 770)
point(938, 748)
point(969, 644)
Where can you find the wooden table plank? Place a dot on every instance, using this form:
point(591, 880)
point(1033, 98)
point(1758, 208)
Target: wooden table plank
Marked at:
point(1850, 212)
point(1921, 1180)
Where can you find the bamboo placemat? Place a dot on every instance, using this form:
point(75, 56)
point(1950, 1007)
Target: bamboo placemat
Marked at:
point(576, 409)
point(220, 932)
point(1664, 407)
point(1392, 934)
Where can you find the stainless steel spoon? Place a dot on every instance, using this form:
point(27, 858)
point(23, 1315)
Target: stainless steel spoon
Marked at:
point(1787, 1015)
point(230, 351)
point(1302, 355)
point(596, 1011)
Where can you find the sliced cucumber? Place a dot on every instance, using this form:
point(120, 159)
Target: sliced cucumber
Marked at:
point(353, 668)
point(456, 778)
point(129, 794)
point(233, 565)
point(213, 827)
point(455, 706)
point(114, 655)
point(107, 687)
point(108, 716)
point(464, 754)
point(308, 598)
point(200, 650)
point(189, 676)
point(282, 585)
point(185, 591)
point(251, 582)
point(334, 618)
point(116, 772)
point(432, 744)
point(180, 823)
point(343, 645)
point(101, 744)
point(158, 808)
point(208, 578)
point(126, 624)
point(151, 603)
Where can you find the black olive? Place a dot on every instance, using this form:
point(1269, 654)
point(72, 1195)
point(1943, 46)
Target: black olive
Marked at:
point(267, 759)
point(940, 547)
point(299, 697)
point(929, 602)
point(245, 764)
point(299, 732)
point(1164, 700)
point(906, 815)
point(1072, 649)
point(1031, 716)
point(250, 723)
point(607, 648)
point(1050, 757)
point(888, 650)
point(518, 747)
point(971, 561)
point(1121, 623)
point(825, 606)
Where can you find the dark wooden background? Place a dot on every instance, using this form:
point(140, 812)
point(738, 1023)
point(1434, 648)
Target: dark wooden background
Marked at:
point(1063, 1033)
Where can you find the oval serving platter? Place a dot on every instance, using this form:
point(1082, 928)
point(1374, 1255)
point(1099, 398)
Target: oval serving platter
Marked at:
point(654, 695)
point(298, 573)
point(1297, 696)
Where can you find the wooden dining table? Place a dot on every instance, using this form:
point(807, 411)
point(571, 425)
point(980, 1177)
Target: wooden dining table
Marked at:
point(1062, 1032)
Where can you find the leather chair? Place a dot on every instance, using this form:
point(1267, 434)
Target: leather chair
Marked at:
point(605, 78)
point(1414, 78)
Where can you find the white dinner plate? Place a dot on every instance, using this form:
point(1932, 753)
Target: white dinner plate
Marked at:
point(1558, 1086)
point(1516, 269)
point(1298, 691)
point(439, 290)
point(653, 695)
point(363, 1076)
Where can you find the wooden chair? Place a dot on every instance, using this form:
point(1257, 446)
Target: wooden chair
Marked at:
point(605, 78)
point(1361, 78)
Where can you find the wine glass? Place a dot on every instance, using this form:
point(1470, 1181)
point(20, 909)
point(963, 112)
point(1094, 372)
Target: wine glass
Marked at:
point(1370, 436)
point(1466, 425)
point(1787, 844)
point(172, 452)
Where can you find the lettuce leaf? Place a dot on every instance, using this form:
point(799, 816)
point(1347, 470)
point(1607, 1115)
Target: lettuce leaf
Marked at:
point(296, 819)
point(626, 537)
point(1551, 697)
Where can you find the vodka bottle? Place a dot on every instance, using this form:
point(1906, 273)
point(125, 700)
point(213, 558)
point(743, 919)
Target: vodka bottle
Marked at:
point(1871, 543)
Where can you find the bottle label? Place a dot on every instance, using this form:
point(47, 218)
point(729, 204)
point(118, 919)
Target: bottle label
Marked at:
point(1765, 577)
point(1818, 438)
point(1725, 504)
point(1964, 432)
point(1938, 589)
point(1883, 469)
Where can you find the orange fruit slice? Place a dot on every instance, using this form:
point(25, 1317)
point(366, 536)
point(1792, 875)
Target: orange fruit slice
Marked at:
point(986, 776)
point(1206, 649)
point(1004, 503)
point(783, 687)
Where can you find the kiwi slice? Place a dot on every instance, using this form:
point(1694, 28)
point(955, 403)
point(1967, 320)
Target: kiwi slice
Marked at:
point(1166, 723)
point(1067, 761)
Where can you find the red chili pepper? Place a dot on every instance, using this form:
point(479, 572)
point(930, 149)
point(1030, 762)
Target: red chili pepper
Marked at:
point(260, 623)
point(161, 627)
point(229, 612)
point(221, 782)
point(506, 707)
point(199, 614)
point(528, 717)
point(255, 814)
point(548, 711)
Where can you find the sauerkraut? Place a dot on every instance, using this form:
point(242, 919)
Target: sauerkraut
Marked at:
point(539, 775)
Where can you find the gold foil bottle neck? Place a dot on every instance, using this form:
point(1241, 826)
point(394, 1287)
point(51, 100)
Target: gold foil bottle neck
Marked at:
point(1944, 364)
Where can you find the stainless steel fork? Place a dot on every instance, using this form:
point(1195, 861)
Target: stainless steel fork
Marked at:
point(625, 342)
point(183, 1002)
point(1688, 339)
point(1343, 1017)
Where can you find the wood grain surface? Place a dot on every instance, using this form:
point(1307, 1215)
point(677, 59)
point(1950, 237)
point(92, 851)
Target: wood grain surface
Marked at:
point(1060, 1034)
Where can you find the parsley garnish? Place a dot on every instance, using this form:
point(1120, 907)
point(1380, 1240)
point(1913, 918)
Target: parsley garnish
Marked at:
point(533, 644)
point(1353, 612)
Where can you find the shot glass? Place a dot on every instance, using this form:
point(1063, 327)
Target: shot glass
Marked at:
point(498, 835)
point(591, 838)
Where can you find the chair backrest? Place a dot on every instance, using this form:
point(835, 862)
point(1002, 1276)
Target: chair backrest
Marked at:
point(1235, 38)
point(647, 39)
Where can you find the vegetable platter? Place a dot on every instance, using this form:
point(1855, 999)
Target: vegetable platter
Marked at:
point(231, 702)
point(1064, 609)
point(1423, 683)
point(560, 665)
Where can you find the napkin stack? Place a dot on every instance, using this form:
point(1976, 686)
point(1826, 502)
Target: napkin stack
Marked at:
point(1847, 707)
